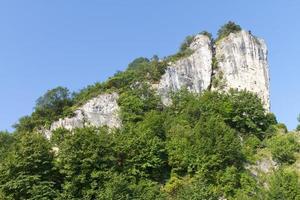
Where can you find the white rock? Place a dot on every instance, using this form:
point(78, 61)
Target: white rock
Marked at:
point(242, 58)
point(192, 72)
point(102, 110)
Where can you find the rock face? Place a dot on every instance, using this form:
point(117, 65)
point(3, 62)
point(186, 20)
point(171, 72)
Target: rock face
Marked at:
point(193, 72)
point(238, 60)
point(242, 61)
point(102, 110)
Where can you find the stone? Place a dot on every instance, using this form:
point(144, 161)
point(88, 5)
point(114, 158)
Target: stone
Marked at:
point(192, 72)
point(243, 65)
point(102, 110)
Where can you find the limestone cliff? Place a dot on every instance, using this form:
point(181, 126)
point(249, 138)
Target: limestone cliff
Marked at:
point(102, 110)
point(242, 64)
point(193, 72)
point(237, 61)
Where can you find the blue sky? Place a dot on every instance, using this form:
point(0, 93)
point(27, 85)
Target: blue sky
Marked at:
point(73, 43)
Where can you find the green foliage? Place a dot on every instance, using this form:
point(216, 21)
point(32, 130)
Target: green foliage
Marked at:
point(248, 114)
point(186, 43)
point(209, 35)
point(27, 124)
point(249, 188)
point(7, 141)
point(250, 146)
point(85, 160)
point(141, 70)
point(284, 185)
point(216, 145)
point(119, 187)
point(197, 148)
point(135, 103)
point(214, 63)
point(88, 93)
point(242, 111)
point(298, 127)
point(27, 172)
point(141, 153)
point(228, 28)
point(199, 188)
point(53, 105)
point(283, 148)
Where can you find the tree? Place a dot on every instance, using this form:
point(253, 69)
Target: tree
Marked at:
point(6, 143)
point(216, 146)
point(283, 148)
point(247, 114)
point(141, 153)
point(186, 43)
point(27, 124)
point(298, 127)
point(86, 161)
point(52, 105)
point(284, 185)
point(228, 28)
point(28, 172)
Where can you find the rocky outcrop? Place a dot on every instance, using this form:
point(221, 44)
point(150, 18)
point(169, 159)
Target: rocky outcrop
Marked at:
point(102, 110)
point(192, 72)
point(242, 64)
point(263, 166)
point(238, 61)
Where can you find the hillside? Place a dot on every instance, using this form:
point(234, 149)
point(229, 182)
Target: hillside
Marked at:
point(194, 125)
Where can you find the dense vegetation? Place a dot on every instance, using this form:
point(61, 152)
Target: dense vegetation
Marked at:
point(203, 146)
point(195, 149)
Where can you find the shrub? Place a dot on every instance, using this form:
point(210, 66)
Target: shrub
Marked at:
point(186, 43)
point(228, 28)
point(284, 185)
point(283, 148)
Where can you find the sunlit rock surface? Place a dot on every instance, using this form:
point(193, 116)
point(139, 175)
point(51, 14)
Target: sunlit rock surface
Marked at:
point(241, 63)
point(242, 60)
point(102, 110)
point(192, 72)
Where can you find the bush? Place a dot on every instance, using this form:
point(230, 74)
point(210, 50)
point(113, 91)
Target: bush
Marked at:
point(298, 127)
point(283, 148)
point(27, 172)
point(284, 185)
point(186, 43)
point(6, 143)
point(228, 28)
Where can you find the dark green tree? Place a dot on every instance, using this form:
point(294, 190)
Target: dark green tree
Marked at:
point(28, 172)
point(284, 185)
point(228, 28)
point(53, 104)
point(86, 162)
point(6, 143)
point(186, 43)
point(283, 148)
point(298, 127)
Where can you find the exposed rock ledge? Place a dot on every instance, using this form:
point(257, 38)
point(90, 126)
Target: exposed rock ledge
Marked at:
point(193, 72)
point(240, 63)
point(102, 110)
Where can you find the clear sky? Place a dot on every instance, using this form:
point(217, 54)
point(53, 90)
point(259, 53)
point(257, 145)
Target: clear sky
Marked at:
point(73, 43)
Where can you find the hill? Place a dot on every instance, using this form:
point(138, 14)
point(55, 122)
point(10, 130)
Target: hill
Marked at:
point(194, 125)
